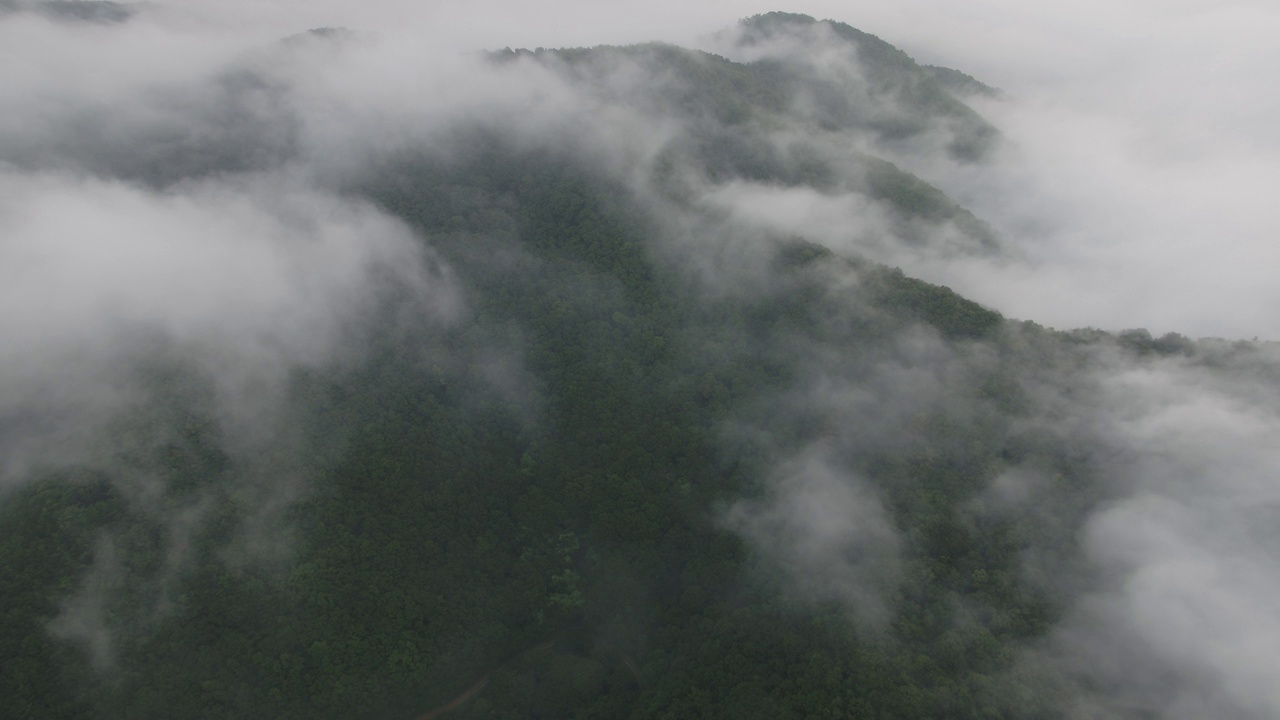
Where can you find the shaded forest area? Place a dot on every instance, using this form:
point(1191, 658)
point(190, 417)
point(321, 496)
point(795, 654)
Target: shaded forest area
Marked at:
point(456, 521)
point(615, 487)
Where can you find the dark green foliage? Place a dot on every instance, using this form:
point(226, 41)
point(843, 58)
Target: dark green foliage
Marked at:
point(953, 316)
point(961, 83)
point(529, 502)
point(896, 98)
point(914, 200)
point(688, 83)
point(47, 542)
point(885, 93)
point(94, 11)
point(1141, 342)
point(729, 110)
point(462, 522)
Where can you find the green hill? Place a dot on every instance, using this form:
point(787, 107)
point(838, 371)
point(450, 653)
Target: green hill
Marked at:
point(660, 465)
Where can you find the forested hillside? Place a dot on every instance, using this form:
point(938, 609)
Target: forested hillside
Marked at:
point(590, 439)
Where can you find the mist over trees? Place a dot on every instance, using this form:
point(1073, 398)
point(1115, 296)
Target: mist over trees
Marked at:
point(343, 379)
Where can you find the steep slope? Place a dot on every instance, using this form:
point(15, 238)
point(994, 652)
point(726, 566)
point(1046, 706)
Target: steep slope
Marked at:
point(763, 122)
point(589, 439)
point(854, 79)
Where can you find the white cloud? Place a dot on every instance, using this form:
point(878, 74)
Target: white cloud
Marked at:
point(1178, 616)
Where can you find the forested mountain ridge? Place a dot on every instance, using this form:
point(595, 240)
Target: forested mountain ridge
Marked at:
point(595, 435)
point(91, 11)
point(810, 103)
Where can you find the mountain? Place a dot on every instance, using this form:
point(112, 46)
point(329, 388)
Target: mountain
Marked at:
point(91, 11)
point(592, 422)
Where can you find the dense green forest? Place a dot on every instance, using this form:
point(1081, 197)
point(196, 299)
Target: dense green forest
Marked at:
point(619, 483)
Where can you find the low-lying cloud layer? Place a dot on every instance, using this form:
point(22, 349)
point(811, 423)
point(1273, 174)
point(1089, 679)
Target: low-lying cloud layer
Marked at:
point(1170, 613)
point(170, 256)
